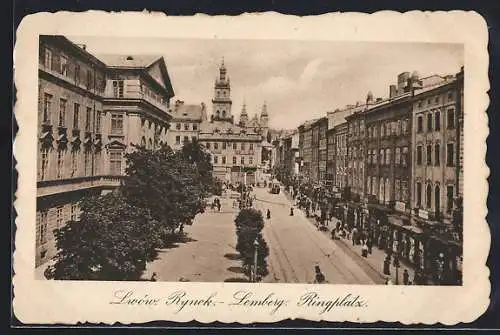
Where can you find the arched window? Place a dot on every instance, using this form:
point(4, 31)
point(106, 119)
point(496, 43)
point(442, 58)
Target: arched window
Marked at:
point(387, 190)
point(437, 199)
point(437, 121)
point(428, 196)
point(217, 113)
point(381, 189)
point(143, 141)
point(223, 114)
point(150, 144)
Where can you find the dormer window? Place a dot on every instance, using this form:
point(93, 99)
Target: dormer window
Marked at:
point(130, 58)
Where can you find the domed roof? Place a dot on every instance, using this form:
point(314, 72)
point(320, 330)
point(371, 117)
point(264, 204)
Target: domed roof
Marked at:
point(415, 75)
point(369, 96)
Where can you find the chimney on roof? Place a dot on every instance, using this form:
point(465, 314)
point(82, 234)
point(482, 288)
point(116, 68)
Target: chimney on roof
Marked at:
point(83, 46)
point(379, 99)
point(392, 91)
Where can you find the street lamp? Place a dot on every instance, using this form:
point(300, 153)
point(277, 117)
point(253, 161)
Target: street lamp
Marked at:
point(255, 254)
point(396, 262)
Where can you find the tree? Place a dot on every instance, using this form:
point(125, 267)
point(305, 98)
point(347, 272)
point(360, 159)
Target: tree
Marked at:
point(165, 184)
point(193, 153)
point(112, 240)
point(249, 224)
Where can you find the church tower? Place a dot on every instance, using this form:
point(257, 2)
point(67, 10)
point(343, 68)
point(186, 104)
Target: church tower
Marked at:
point(221, 103)
point(264, 120)
point(244, 116)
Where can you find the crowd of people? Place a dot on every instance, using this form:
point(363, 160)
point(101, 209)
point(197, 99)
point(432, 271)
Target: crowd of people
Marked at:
point(351, 225)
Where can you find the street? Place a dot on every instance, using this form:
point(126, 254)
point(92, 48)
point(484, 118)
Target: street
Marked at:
point(295, 247)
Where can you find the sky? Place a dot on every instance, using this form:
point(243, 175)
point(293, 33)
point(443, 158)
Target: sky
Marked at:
point(299, 80)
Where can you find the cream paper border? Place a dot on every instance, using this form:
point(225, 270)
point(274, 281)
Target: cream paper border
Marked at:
point(39, 301)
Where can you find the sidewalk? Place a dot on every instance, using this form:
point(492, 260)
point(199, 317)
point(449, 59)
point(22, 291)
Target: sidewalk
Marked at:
point(375, 260)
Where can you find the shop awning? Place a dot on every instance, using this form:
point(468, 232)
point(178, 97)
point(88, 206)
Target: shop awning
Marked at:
point(380, 208)
point(398, 220)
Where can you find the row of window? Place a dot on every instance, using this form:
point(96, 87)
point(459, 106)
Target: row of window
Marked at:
point(388, 128)
point(185, 139)
point(385, 156)
point(450, 154)
point(434, 121)
point(92, 117)
point(437, 196)
point(43, 222)
point(92, 121)
point(225, 145)
point(383, 188)
point(356, 128)
point(235, 160)
point(187, 126)
point(64, 66)
point(92, 164)
point(436, 100)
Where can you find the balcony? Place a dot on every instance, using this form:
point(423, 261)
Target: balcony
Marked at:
point(51, 187)
point(132, 90)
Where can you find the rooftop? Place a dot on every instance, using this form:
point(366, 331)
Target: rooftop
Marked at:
point(128, 61)
point(187, 112)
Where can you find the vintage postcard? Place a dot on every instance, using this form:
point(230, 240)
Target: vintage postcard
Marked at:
point(253, 168)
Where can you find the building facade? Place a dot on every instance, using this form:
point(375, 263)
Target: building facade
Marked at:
point(436, 149)
point(330, 159)
point(89, 112)
point(306, 150)
point(319, 150)
point(388, 143)
point(185, 124)
point(340, 156)
point(236, 148)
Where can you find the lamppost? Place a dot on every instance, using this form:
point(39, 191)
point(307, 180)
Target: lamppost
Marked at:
point(255, 254)
point(396, 262)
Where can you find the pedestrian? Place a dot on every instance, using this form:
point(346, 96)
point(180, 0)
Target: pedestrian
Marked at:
point(333, 234)
point(369, 245)
point(406, 276)
point(387, 265)
point(354, 236)
point(291, 211)
point(364, 251)
point(320, 277)
point(153, 277)
point(268, 214)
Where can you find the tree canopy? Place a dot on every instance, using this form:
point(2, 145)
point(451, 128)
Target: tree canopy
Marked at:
point(170, 185)
point(112, 240)
point(118, 233)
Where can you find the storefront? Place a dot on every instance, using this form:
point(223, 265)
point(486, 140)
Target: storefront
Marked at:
point(407, 240)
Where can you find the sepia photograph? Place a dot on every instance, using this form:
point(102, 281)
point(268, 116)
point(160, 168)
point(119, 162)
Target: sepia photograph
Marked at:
point(255, 168)
point(249, 161)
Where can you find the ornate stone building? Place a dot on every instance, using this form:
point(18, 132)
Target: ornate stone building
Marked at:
point(186, 123)
point(236, 148)
point(437, 142)
point(89, 112)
